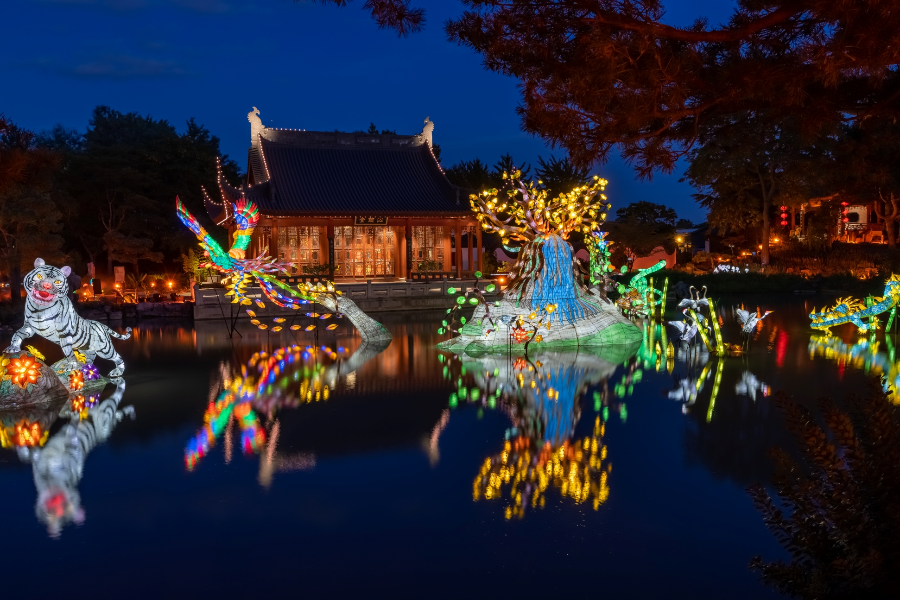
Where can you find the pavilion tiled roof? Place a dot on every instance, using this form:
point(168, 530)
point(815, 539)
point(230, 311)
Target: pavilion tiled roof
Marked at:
point(334, 173)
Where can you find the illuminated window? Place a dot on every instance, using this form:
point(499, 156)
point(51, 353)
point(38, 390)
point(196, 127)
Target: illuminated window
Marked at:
point(428, 243)
point(300, 246)
point(364, 251)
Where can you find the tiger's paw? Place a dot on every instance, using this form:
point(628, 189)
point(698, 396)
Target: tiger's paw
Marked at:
point(117, 372)
point(11, 349)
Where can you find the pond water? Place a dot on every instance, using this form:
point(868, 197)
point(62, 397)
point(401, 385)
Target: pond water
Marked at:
point(411, 470)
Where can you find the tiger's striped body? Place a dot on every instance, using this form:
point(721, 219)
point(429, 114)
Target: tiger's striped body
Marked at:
point(49, 313)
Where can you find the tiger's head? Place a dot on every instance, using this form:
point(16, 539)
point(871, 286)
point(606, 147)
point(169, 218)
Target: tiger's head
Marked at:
point(46, 284)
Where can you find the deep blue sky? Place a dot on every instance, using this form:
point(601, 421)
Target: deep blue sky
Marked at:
point(304, 65)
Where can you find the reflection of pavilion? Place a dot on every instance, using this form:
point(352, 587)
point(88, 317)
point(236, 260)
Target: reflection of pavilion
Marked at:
point(57, 460)
point(542, 395)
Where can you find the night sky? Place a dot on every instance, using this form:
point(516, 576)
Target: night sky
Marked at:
point(304, 65)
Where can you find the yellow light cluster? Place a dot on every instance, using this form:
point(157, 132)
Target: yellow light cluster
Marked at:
point(576, 469)
point(523, 211)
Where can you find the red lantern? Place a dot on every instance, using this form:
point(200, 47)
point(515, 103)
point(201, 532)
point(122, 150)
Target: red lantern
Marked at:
point(845, 204)
point(845, 220)
point(784, 223)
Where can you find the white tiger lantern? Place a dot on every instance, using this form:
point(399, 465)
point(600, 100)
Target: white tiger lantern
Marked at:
point(50, 314)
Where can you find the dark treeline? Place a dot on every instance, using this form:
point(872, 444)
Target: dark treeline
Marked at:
point(105, 195)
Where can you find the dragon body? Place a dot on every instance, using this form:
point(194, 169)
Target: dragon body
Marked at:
point(851, 310)
point(638, 297)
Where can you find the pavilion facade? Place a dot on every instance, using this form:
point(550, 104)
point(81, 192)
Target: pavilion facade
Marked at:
point(354, 206)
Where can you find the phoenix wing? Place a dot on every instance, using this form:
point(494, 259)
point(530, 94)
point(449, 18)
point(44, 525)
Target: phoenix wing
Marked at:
point(743, 316)
point(218, 256)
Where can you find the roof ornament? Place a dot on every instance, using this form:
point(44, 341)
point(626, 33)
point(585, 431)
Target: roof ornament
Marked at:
point(256, 126)
point(426, 136)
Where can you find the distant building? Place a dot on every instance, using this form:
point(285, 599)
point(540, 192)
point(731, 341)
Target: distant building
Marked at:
point(374, 206)
point(857, 223)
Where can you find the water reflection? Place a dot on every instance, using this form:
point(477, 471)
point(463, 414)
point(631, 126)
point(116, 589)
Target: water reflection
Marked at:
point(866, 355)
point(542, 395)
point(249, 399)
point(57, 460)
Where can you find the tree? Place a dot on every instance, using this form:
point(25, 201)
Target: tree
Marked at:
point(121, 178)
point(648, 213)
point(374, 130)
point(744, 165)
point(560, 175)
point(640, 228)
point(22, 161)
point(29, 222)
point(607, 73)
point(508, 165)
point(471, 174)
point(29, 219)
point(685, 224)
point(869, 154)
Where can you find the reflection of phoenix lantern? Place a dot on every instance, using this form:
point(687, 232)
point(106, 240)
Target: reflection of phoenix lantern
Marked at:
point(286, 378)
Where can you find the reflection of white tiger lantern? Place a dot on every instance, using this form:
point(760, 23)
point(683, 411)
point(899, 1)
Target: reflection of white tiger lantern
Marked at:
point(50, 314)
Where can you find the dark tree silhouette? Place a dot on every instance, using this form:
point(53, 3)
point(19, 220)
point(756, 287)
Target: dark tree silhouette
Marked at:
point(837, 510)
point(604, 73)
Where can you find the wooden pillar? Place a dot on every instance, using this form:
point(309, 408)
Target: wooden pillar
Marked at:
point(458, 250)
point(470, 239)
point(273, 241)
point(399, 267)
point(447, 260)
point(480, 249)
point(330, 232)
point(409, 249)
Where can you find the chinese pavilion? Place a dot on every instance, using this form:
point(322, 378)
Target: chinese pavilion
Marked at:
point(367, 206)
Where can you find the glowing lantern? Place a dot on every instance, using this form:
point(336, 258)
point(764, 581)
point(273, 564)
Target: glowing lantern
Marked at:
point(76, 380)
point(23, 370)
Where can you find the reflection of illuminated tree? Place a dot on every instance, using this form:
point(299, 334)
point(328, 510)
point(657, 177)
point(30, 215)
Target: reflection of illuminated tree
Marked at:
point(522, 473)
point(543, 399)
